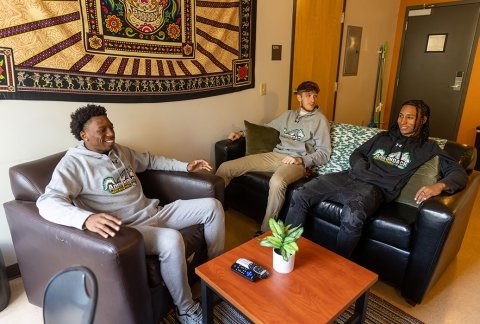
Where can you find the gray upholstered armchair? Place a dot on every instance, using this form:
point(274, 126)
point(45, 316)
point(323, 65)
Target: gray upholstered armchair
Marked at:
point(130, 288)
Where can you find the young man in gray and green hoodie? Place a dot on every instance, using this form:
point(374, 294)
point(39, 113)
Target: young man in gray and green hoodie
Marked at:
point(94, 187)
point(304, 142)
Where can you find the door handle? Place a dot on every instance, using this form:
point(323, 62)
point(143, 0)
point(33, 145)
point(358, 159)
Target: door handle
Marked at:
point(457, 85)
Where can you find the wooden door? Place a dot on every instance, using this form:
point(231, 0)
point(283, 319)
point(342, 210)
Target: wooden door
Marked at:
point(316, 46)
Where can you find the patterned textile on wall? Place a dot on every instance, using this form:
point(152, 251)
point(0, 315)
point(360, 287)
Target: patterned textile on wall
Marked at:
point(125, 50)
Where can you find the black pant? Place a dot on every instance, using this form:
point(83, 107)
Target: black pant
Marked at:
point(360, 200)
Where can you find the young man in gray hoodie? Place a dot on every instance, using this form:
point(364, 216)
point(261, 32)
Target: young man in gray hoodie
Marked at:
point(304, 142)
point(95, 187)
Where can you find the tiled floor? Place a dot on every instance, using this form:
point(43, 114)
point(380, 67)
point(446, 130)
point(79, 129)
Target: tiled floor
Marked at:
point(453, 299)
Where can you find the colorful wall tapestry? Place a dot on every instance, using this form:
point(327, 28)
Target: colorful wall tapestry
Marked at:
point(125, 50)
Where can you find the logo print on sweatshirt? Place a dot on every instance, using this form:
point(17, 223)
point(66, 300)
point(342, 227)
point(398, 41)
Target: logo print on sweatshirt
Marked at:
point(126, 180)
point(397, 159)
point(296, 134)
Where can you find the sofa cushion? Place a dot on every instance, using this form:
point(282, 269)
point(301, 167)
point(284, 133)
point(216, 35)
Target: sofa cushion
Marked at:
point(427, 174)
point(391, 224)
point(260, 139)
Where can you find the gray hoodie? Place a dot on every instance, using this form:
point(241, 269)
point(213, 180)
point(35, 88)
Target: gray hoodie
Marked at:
point(306, 136)
point(85, 182)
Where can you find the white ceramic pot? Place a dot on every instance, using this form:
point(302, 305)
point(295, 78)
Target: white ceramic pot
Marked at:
point(280, 265)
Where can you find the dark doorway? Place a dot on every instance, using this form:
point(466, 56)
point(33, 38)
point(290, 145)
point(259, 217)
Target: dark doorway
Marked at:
point(438, 48)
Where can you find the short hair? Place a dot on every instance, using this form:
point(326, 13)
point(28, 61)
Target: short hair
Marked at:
point(82, 115)
point(423, 110)
point(307, 86)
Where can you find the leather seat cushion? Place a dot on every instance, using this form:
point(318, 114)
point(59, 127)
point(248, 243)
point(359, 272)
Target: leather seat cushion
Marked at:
point(391, 225)
point(258, 180)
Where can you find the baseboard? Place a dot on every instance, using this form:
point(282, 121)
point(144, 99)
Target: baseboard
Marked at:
point(13, 271)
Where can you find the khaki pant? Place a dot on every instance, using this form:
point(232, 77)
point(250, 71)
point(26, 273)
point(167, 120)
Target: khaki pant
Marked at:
point(284, 174)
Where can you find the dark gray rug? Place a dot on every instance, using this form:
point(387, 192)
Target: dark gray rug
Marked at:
point(379, 311)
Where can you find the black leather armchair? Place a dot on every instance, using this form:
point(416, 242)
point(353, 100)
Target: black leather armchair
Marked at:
point(407, 246)
point(130, 287)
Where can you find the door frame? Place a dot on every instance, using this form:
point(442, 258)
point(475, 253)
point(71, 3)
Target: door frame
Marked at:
point(468, 71)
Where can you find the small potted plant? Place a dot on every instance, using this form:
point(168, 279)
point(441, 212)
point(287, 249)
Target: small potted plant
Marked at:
point(284, 243)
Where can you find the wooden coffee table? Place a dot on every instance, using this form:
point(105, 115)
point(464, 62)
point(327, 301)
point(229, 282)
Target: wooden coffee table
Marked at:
point(321, 286)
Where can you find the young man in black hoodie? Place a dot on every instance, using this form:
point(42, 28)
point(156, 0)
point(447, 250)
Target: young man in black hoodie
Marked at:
point(379, 169)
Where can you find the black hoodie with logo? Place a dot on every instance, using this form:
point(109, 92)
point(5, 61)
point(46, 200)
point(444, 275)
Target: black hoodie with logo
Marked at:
point(389, 159)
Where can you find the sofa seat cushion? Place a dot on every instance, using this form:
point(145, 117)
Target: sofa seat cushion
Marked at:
point(328, 211)
point(248, 194)
point(257, 179)
point(392, 224)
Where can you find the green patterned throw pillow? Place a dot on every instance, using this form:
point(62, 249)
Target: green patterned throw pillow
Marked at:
point(344, 139)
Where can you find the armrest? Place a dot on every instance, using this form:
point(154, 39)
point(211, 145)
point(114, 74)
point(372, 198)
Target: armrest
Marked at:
point(168, 186)
point(464, 154)
point(438, 235)
point(44, 248)
point(226, 150)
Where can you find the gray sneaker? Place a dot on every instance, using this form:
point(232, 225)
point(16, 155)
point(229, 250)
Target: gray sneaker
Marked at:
point(192, 316)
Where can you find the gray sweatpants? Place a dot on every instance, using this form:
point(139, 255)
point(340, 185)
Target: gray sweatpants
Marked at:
point(162, 237)
point(283, 175)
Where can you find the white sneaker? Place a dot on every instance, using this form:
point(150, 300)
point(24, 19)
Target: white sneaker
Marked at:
point(192, 316)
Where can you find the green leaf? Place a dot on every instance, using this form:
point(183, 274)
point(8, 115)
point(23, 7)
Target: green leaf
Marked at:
point(296, 233)
point(291, 247)
point(289, 239)
point(294, 229)
point(275, 241)
point(278, 236)
point(281, 224)
point(266, 243)
point(276, 227)
point(285, 254)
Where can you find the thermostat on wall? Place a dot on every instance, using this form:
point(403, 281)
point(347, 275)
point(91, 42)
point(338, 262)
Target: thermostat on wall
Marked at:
point(276, 52)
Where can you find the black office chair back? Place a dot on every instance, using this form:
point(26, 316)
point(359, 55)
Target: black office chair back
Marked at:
point(70, 297)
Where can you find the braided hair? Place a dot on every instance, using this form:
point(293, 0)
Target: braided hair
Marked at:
point(82, 115)
point(423, 110)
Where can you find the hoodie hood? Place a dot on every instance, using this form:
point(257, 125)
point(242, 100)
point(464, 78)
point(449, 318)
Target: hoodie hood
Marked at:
point(80, 149)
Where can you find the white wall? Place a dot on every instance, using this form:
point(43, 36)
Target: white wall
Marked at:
point(378, 18)
point(184, 129)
